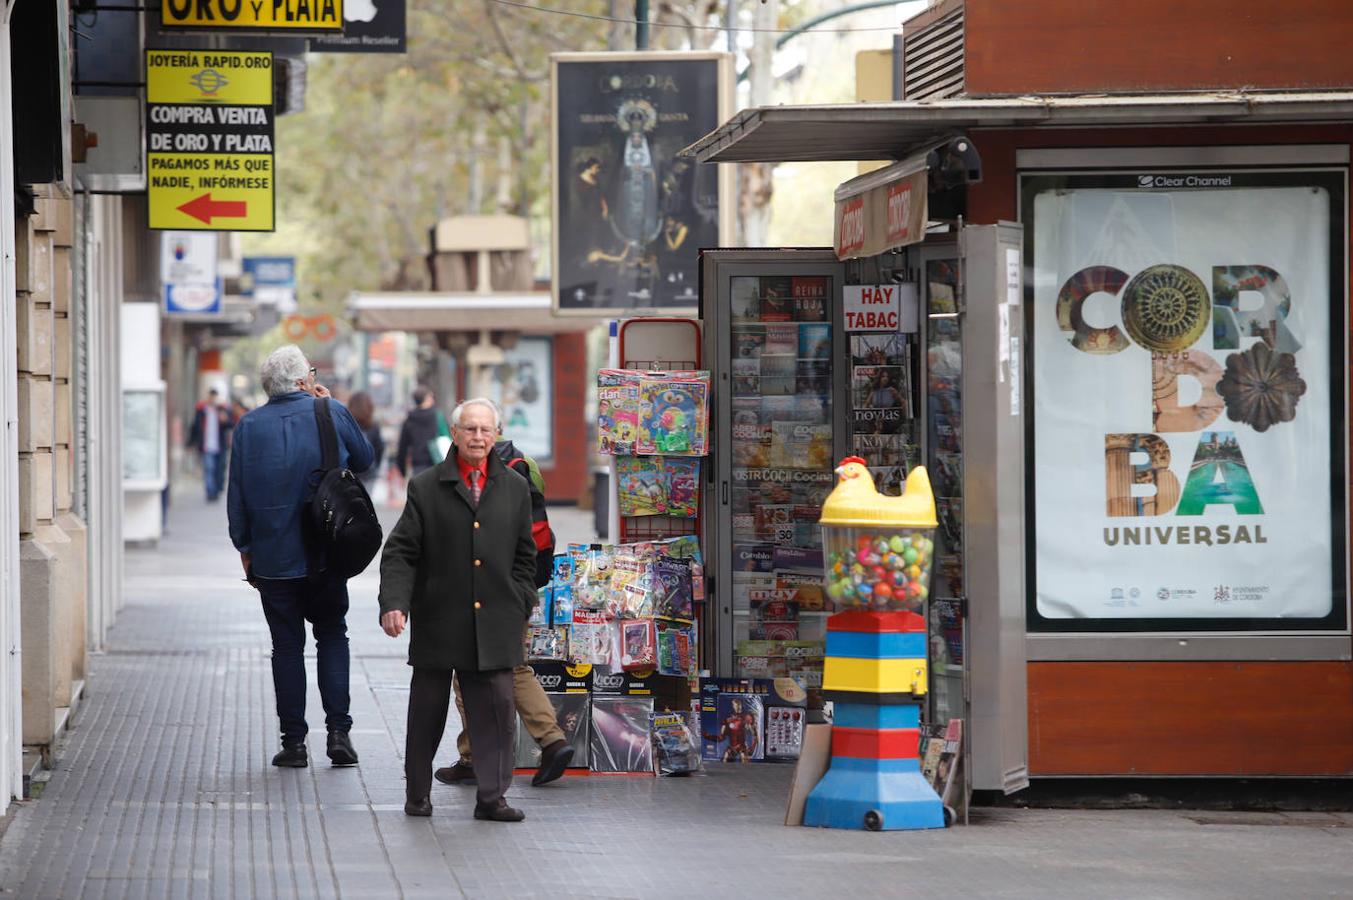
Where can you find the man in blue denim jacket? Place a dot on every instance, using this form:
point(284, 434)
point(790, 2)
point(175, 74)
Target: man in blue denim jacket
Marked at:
point(276, 451)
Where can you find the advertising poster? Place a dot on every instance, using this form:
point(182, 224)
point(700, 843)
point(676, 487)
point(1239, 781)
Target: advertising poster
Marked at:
point(523, 388)
point(1187, 376)
point(630, 216)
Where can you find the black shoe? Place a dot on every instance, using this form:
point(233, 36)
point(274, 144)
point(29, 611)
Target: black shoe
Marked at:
point(461, 773)
point(553, 761)
point(500, 813)
point(418, 807)
point(340, 749)
point(292, 756)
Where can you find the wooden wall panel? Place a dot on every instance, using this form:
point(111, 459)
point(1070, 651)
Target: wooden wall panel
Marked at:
point(1204, 718)
point(1087, 46)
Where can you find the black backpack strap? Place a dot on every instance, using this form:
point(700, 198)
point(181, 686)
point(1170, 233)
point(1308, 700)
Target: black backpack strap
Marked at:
point(328, 437)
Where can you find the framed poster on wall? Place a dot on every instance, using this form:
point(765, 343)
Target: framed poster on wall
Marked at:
point(523, 388)
point(630, 217)
point(1187, 462)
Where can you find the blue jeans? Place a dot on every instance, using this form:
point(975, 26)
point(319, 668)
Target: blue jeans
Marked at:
point(213, 473)
point(288, 603)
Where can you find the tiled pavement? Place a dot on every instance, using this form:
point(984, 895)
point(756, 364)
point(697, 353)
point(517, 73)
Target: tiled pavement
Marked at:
point(163, 789)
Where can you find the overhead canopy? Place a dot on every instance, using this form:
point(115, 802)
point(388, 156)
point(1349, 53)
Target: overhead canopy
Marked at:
point(869, 131)
point(426, 311)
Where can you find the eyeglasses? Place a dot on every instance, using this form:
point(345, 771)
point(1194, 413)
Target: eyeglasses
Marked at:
point(313, 371)
point(476, 429)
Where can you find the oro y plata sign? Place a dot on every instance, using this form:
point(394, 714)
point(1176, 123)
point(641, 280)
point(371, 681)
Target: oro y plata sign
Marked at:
point(253, 15)
point(209, 140)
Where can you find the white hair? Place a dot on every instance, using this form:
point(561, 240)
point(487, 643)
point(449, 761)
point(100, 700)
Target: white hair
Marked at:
point(476, 401)
point(282, 369)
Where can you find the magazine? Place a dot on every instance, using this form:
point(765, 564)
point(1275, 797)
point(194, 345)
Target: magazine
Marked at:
point(878, 349)
point(674, 415)
point(617, 411)
point(640, 485)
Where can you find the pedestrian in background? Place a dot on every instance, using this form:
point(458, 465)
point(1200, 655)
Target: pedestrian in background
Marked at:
point(208, 436)
point(417, 449)
point(460, 565)
point(276, 452)
point(364, 412)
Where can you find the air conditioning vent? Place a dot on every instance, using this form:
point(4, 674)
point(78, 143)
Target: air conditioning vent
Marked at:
point(932, 61)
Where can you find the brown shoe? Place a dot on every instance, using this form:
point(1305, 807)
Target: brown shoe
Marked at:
point(500, 813)
point(553, 761)
point(461, 773)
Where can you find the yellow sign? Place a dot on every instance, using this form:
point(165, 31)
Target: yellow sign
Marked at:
point(254, 15)
point(208, 76)
point(209, 140)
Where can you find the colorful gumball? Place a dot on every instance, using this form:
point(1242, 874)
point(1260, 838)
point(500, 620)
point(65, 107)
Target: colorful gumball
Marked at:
point(883, 591)
point(910, 554)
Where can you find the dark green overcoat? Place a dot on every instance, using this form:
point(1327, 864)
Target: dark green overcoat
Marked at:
point(464, 576)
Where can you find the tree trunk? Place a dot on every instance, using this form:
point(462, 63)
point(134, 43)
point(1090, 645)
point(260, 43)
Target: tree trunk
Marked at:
point(757, 184)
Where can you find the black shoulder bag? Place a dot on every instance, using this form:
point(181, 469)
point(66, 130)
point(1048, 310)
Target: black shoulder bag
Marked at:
point(344, 534)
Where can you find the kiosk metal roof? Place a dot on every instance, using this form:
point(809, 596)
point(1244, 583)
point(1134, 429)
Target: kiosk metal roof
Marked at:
point(871, 131)
point(430, 311)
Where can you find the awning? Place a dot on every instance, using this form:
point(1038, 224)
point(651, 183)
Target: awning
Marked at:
point(869, 131)
point(429, 311)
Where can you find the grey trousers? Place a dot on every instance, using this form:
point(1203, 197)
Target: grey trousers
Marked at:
point(491, 720)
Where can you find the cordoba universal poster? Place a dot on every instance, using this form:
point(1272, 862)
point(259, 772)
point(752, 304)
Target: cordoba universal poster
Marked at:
point(1188, 404)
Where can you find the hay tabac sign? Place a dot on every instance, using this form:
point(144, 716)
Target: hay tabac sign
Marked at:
point(209, 140)
point(253, 15)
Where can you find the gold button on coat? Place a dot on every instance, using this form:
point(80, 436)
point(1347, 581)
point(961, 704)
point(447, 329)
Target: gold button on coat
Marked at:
point(476, 604)
point(476, 524)
point(479, 562)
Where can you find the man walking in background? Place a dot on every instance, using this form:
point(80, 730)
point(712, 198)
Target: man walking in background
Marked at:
point(460, 565)
point(211, 424)
point(423, 425)
point(276, 451)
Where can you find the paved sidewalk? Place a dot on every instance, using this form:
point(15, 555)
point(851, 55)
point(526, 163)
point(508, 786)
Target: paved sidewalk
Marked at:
point(163, 789)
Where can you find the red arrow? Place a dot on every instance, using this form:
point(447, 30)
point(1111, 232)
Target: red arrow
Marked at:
point(204, 209)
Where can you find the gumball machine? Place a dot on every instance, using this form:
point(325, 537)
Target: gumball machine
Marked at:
point(878, 552)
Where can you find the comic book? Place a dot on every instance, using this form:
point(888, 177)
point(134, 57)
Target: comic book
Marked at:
point(638, 645)
point(592, 577)
point(673, 598)
point(675, 748)
point(589, 639)
point(640, 487)
point(674, 415)
point(676, 642)
point(547, 642)
point(682, 479)
point(617, 411)
point(631, 585)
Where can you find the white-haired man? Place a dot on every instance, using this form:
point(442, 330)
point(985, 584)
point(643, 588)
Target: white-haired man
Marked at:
point(460, 565)
point(276, 449)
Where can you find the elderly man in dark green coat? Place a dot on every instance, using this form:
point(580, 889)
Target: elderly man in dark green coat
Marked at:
point(459, 568)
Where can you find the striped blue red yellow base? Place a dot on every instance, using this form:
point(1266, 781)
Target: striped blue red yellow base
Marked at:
point(875, 669)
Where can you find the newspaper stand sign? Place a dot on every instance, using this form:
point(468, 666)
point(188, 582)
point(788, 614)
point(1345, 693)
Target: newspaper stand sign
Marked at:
point(209, 140)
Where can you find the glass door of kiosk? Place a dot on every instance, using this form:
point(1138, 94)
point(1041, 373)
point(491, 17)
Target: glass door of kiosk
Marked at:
point(777, 433)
